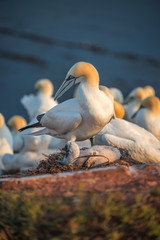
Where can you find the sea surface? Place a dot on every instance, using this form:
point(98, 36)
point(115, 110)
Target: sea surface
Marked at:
point(43, 39)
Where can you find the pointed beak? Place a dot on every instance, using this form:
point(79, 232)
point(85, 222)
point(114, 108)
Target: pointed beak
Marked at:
point(67, 83)
point(134, 115)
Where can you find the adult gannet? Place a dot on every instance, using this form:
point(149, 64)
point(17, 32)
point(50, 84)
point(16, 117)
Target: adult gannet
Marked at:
point(133, 101)
point(148, 116)
point(150, 90)
point(40, 102)
point(118, 96)
point(15, 123)
point(21, 161)
point(82, 117)
point(4, 131)
point(90, 157)
point(140, 144)
point(118, 108)
point(6, 142)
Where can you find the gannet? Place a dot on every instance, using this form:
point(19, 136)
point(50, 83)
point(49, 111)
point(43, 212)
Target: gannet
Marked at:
point(6, 142)
point(118, 108)
point(21, 161)
point(118, 96)
point(148, 115)
point(15, 123)
point(140, 144)
point(133, 101)
point(150, 90)
point(90, 157)
point(4, 131)
point(79, 118)
point(40, 102)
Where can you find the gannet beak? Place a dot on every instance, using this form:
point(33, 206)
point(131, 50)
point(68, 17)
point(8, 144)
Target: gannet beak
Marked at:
point(127, 100)
point(67, 83)
point(134, 115)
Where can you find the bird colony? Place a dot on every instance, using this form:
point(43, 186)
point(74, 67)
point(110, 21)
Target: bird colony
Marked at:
point(91, 127)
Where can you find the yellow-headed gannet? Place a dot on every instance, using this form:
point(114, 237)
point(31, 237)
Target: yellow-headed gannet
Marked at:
point(40, 102)
point(148, 115)
point(6, 141)
point(78, 118)
point(140, 144)
point(15, 123)
point(21, 161)
point(133, 101)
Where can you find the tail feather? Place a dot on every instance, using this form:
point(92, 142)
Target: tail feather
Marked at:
point(37, 124)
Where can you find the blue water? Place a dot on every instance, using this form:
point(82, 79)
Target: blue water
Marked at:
point(45, 38)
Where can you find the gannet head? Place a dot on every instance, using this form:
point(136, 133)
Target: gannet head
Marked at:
point(149, 90)
point(2, 120)
point(45, 86)
point(72, 152)
point(153, 104)
point(16, 122)
point(119, 110)
point(79, 72)
point(138, 93)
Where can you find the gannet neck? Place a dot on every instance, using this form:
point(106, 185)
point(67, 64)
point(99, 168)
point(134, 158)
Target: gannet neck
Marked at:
point(16, 122)
point(119, 110)
point(2, 120)
point(45, 86)
point(153, 104)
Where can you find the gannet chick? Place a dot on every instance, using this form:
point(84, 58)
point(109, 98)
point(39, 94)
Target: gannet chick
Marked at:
point(140, 144)
point(15, 123)
point(118, 96)
point(90, 157)
point(21, 161)
point(6, 142)
point(42, 101)
point(79, 118)
point(148, 115)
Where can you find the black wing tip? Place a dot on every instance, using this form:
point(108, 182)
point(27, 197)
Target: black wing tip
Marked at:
point(37, 124)
point(22, 129)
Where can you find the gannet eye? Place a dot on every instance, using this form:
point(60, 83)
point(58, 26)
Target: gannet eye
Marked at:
point(70, 77)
